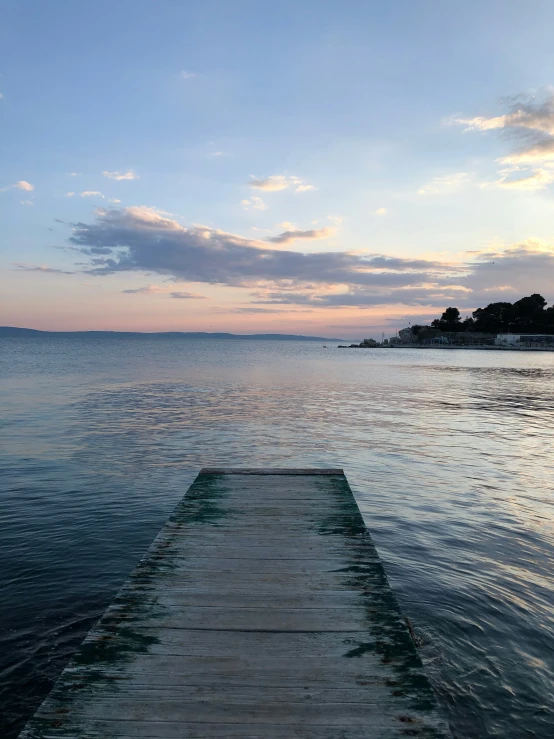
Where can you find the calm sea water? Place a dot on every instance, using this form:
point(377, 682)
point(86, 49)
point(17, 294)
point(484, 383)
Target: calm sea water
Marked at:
point(449, 455)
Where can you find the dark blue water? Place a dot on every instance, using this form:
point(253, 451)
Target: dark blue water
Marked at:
point(449, 455)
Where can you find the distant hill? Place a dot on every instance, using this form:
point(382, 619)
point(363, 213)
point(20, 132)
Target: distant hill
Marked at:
point(29, 332)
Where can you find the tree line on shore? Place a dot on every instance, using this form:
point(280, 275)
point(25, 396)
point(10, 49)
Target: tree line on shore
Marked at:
point(528, 316)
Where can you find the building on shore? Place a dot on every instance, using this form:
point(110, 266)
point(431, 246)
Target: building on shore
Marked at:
point(524, 339)
point(427, 335)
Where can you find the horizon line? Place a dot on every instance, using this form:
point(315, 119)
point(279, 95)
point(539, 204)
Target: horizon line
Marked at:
point(24, 329)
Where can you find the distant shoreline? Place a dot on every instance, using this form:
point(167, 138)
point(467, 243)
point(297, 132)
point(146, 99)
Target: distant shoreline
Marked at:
point(445, 347)
point(13, 331)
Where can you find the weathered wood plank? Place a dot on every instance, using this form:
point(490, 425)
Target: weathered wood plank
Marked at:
point(243, 619)
point(357, 580)
point(158, 708)
point(256, 671)
point(102, 729)
point(259, 565)
point(310, 471)
point(182, 598)
point(260, 610)
point(252, 644)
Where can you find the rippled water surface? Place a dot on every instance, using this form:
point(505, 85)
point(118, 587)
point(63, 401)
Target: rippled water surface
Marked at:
point(449, 454)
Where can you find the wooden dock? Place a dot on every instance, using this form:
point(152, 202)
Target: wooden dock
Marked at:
point(260, 610)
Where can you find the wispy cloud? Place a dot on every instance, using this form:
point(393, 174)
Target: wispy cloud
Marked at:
point(527, 112)
point(41, 268)
point(382, 211)
point(517, 178)
point(91, 194)
point(441, 185)
point(277, 312)
point(184, 75)
point(69, 194)
point(277, 182)
point(19, 185)
point(129, 175)
point(26, 202)
point(254, 203)
point(146, 290)
point(167, 290)
point(179, 295)
point(530, 122)
point(287, 236)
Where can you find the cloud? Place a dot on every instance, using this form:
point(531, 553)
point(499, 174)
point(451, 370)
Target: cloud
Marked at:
point(27, 202)
point(540, 151)
point(273, 183)
point(444, 184)
point(276, 312)
point(529, 120)
point(337, 220)
point(255, 203)
point(363, 298)
point(114, 200)
point(147, 290)
point(142, 239)
point(69, 194)
point(41, 268)
point(277, 182)
point(158, 290)
point(19, 185)
point(287, 236)
point(531, 114)
point(1, 96)
point(382, 211)
point(91, 194)
point(536, 179)
point(130, 175)
point(184, 75)
point(187, 296)
point(522, 269)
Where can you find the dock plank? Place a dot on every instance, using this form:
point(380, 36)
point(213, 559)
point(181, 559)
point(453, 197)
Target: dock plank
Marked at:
point(260, 610)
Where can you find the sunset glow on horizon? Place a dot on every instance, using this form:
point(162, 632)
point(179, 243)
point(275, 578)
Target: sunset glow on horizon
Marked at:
point(313, 169)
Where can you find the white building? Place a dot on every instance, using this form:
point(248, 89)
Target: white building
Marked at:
point(523, 339)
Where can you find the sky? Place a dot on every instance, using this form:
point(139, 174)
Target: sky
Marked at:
point(314, 167)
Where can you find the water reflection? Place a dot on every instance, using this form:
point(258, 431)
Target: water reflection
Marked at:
point(447, 454)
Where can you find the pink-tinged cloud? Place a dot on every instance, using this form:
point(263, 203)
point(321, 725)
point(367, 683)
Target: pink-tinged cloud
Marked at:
point(19, 185)
point(530, 121)
point(129, 175)
point(277, 182)
point(41, 268)
point(169, 291)
point(288, 236)
point(138, 240)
